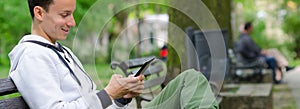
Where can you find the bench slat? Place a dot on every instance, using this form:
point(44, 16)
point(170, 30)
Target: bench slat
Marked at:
point(153, 70)
point(133, 63)
point(13, 103)
point(154, 82)
point(7, 87)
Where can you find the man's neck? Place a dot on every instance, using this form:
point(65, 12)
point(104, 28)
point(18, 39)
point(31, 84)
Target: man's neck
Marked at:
point(247, 32)
point(37, 30)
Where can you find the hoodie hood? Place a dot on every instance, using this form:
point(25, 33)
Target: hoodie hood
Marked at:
point(19, 50)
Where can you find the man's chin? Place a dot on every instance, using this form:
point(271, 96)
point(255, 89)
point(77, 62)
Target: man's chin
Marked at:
point(62, 38)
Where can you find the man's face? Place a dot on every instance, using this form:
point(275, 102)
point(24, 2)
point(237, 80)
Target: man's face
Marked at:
point(250, 29)
point(58, 20)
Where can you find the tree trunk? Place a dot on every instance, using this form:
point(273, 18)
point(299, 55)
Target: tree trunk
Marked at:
point(179, 21)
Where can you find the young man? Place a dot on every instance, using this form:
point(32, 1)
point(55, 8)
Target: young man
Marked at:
point(50, 76)
point(44, 80)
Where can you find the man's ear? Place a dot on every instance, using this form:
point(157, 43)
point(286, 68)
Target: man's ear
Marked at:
point(38, 12)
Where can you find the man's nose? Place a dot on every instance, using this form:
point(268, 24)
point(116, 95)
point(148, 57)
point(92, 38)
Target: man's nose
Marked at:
point(71, 22)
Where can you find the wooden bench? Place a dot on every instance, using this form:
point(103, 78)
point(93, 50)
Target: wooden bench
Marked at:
point(241, 71)
point(8, 87)
point(247, 96)
point(153, 75)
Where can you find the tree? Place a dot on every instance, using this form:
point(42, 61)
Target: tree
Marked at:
point(221, 12)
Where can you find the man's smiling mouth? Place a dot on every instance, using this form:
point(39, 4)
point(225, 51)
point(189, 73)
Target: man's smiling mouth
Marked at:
point(65, 30)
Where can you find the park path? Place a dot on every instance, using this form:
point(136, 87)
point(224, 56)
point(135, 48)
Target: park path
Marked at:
point(293, 80)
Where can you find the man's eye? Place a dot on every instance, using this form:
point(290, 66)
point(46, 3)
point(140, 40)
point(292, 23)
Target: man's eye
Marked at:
point(65, 15)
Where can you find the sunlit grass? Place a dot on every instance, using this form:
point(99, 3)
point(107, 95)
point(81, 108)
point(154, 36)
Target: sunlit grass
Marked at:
point(103, 71)
point(10, 96)
point(294, 62)
point(4, 70)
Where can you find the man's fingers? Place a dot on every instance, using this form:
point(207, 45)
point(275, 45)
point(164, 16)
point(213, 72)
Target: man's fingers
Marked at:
point(131, 95)
point(117, 76)
point(141, 77)
point(129, 79)
point(138, 88)
point(132, 85)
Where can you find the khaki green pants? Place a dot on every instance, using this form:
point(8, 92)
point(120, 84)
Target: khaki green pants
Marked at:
point(189, 90)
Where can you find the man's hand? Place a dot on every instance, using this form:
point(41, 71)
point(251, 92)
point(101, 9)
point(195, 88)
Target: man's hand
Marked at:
point(124, 87)
point(264, 52)
point(135, 92)
point(131, 95)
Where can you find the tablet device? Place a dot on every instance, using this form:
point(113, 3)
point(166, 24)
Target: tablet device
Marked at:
point(144, 67)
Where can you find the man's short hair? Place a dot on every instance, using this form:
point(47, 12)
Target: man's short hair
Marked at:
point(43, 3)
point(247, 25)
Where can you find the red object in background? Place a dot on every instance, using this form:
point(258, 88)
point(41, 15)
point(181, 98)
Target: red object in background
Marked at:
point(163, 53)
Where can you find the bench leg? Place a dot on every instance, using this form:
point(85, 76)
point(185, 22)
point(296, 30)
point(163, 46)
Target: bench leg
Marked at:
point(138, 102)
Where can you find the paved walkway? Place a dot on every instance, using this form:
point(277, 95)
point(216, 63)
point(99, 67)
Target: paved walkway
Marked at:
point(293, 80)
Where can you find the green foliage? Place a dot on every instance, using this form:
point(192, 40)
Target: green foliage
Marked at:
point(291, 25)
point(154, 52)
point(286, 1)
point(15, 21)
point(81, 7)
point(149, 9)
point(295, 62)
point(4, 70)
point(249, 9)
point(258, 34)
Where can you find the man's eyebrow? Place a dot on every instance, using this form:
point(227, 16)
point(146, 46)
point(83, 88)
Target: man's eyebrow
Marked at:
point(67, 11)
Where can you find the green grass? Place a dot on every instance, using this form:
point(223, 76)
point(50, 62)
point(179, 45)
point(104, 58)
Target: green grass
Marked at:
point(10, 96)
point(294, 62)
point(4, 70)
point(104, 73)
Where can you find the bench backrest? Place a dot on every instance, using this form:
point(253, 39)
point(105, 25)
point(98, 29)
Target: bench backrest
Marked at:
point(8, 87)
